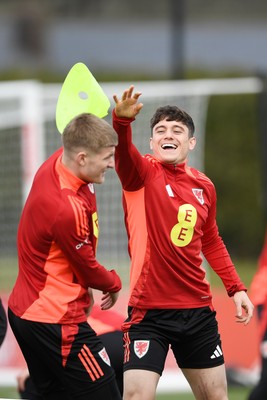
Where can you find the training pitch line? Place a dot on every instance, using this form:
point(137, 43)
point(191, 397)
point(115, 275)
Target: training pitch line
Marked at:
point(170, 382)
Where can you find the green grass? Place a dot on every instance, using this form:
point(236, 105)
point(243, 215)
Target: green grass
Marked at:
point(245, 268)
point(235, 393)
point(8, 274)
point(9, 393)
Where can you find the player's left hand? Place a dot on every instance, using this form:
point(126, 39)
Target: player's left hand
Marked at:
point(108, 300)
point(128, 106)
point(244, 307)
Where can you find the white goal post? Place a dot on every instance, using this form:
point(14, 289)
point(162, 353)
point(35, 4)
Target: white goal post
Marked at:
point(28, 135)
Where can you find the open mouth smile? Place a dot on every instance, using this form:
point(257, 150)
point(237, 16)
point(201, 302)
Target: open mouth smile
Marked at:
point(169, 146)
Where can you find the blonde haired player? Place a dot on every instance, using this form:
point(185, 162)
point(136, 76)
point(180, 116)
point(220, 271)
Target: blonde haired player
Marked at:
point(57, 240)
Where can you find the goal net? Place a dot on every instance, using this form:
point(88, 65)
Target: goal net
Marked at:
point(28, 135)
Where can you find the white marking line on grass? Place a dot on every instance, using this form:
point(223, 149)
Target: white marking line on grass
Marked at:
point(171, 381)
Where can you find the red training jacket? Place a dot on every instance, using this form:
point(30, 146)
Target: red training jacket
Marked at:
point(170, 214)
point(57, 239)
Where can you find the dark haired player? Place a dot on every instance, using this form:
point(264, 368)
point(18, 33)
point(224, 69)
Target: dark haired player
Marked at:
point(170, 214)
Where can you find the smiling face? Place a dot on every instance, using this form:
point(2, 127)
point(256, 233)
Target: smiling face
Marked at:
point(171, 142)
point(93, 166)
point(89, 146)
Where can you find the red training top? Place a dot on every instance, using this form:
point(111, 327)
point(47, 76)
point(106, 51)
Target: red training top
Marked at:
point(170, 214)
point(258, 287)
point(57, 239)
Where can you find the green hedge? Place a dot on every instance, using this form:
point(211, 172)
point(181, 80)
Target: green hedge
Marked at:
point(233, 162)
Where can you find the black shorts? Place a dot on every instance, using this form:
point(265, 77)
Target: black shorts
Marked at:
point(65, 361)
point(192, 335)
point(113, 342)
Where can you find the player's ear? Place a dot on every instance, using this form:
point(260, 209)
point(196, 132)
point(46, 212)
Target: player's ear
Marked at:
point(81, 158)
point(192, 143)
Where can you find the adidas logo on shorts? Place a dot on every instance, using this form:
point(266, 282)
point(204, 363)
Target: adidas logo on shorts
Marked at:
point(217, 353)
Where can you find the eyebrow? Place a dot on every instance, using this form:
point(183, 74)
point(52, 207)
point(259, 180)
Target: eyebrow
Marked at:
point(174, 126)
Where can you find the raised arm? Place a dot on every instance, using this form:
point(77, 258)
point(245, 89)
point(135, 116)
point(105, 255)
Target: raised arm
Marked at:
point(128, 106)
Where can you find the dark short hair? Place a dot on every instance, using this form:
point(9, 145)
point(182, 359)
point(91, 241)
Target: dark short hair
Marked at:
point(173, 113)
point(89, 132)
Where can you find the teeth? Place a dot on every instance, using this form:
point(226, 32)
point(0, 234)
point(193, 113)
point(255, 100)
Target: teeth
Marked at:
point(168, 146)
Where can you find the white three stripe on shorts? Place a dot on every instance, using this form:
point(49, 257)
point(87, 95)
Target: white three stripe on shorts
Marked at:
point(217, 353)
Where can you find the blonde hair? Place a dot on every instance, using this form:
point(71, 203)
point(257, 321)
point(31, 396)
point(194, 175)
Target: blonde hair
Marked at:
point(87, 131)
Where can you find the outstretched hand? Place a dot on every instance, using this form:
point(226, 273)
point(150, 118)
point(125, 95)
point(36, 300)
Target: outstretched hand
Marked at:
point(128, 106)
point(244, 307)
